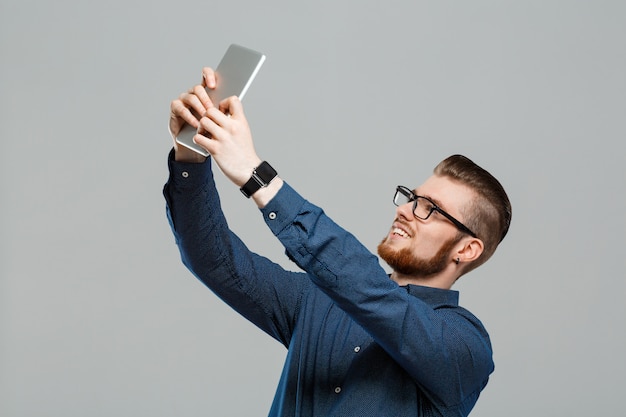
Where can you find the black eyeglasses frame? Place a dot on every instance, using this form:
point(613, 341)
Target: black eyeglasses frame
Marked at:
point(434, 207)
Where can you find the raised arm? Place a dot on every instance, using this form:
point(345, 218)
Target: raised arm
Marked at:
point(259, 289)
point(443, 347)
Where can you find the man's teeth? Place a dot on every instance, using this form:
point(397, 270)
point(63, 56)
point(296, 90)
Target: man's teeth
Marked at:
point(400, 232)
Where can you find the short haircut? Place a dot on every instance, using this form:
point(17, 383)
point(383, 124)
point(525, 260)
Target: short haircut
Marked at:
point(489, 214)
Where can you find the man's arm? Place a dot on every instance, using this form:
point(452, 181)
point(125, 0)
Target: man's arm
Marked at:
point(260, 290)
point(446, 354)
point(445, 351)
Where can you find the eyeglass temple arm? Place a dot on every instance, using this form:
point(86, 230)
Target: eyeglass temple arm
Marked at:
point(457, 223)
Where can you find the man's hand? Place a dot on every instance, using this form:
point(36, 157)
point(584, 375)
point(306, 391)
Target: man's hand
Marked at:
point(225, 133)
point(188, 108)
point(229, 142)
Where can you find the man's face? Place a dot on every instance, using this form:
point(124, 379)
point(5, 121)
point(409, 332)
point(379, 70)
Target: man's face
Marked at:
point(422, 248)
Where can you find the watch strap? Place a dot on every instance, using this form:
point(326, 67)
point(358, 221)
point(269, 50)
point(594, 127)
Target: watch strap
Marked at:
point(261, 177)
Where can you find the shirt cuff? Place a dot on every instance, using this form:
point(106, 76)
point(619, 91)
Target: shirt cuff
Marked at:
point(185, 175)
point(282, 209)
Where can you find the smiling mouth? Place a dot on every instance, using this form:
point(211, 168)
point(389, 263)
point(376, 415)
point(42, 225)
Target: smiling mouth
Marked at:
point(399, 232)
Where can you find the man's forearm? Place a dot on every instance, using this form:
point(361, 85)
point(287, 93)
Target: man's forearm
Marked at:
point(266, 194)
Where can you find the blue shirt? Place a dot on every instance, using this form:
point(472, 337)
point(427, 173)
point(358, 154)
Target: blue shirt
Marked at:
point(358, 343)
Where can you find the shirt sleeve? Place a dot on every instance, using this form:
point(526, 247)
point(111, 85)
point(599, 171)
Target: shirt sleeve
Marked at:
point(446, 352)
point(260, 290)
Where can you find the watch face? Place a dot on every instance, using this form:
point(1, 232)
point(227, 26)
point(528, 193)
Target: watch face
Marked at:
point(261, 177)
point(265, 173)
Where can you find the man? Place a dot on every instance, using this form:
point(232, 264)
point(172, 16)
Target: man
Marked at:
point(360, 342)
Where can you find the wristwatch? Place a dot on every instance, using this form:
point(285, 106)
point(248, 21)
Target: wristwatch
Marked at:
point(261, 177)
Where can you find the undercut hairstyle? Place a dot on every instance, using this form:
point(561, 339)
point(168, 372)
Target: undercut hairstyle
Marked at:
point(489, 213)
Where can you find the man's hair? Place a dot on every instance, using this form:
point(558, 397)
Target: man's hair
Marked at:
point(489, 214)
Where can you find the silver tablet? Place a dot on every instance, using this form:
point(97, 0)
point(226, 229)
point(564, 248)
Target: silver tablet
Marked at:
point(233, 74)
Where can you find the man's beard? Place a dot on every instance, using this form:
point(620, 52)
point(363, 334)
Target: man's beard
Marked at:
point(405, 262)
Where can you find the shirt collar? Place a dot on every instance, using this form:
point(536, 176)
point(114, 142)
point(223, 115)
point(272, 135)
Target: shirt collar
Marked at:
point(434, 297)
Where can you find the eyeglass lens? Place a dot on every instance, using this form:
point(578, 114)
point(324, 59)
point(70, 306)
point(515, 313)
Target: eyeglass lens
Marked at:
point(421, 206)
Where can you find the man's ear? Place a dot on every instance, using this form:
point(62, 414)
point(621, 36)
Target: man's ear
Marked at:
point(470, 250)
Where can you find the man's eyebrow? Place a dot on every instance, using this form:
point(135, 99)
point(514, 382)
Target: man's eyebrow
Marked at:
point(433, 199)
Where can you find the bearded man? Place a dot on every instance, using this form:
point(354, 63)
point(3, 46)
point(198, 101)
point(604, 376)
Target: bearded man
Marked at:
point(360, 342)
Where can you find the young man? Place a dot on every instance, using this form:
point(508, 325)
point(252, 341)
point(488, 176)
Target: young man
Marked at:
point(360, 342)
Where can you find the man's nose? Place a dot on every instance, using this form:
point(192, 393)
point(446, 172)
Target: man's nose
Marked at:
point(405, 210)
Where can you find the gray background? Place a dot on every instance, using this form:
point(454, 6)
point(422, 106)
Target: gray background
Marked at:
point(98, 317)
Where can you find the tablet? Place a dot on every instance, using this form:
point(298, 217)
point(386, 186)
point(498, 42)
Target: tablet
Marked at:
point(233, 75)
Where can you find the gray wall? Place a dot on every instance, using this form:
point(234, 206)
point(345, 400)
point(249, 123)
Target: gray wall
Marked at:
point(97, 315)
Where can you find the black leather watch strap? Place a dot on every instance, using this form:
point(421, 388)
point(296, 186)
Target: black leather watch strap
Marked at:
point(261, 177)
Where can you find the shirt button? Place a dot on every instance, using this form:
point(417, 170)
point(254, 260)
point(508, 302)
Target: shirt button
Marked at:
point(357, 349)
point(272, 216)
point(185, 174)
point(337, 390)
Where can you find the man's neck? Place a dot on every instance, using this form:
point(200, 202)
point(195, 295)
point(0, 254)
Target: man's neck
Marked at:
point(442, 280)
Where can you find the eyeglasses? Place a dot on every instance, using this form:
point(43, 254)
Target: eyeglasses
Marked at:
point(423, 207)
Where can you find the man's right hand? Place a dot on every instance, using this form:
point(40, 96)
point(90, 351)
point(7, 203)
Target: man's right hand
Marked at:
point(189, 107)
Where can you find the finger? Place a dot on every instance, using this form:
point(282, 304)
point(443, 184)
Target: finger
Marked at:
point(212, 124)
point(179, 109)
point(201, 92)
point(218, 117)
point(232, 106)
point(208, 78)
point(193, 102)
point(205, 141)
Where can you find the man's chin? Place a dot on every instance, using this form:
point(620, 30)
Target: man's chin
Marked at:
point(403, 260)
point(393, 255)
